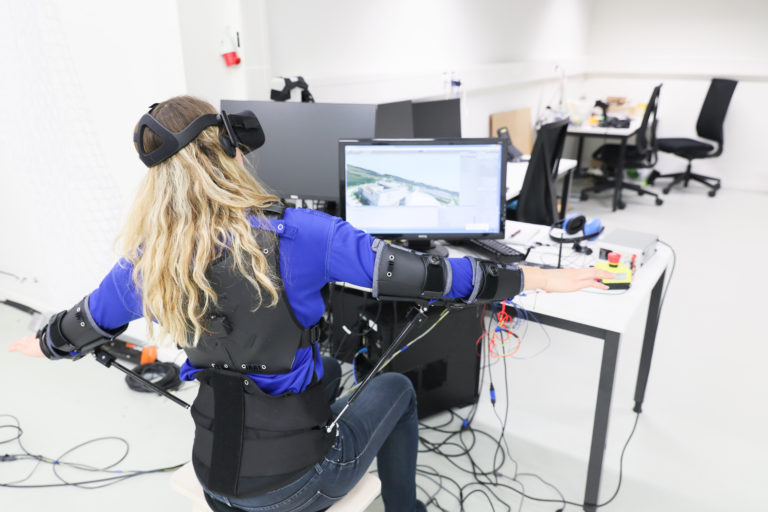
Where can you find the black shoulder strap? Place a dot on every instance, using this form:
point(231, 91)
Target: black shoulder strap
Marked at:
point(277, 210)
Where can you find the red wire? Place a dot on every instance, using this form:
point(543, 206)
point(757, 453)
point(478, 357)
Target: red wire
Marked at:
point(500, 336)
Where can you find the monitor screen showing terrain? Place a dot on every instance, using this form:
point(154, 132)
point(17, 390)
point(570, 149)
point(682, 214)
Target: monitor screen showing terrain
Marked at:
point(428, 188)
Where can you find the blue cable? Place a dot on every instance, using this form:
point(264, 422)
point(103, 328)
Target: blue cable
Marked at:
point(361, 351)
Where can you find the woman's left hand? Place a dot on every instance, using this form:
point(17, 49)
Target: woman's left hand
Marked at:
point(28, 345)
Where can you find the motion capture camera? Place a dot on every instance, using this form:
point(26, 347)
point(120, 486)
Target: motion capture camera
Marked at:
point(283, 87)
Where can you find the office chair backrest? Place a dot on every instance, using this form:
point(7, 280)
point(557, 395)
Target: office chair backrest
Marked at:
point(652, 157)
point(712, 116)
point(646, 135)
point(537, 203)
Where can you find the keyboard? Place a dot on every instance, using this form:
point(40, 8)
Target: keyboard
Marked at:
point(498, 251)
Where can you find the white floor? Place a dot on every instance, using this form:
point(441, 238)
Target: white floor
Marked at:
point(700, 443)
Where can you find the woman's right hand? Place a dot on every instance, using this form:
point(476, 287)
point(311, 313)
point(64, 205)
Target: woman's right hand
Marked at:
point(27, 345)
point(564, 279)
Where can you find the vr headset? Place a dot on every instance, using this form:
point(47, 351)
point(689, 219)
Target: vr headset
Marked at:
point(243, 130)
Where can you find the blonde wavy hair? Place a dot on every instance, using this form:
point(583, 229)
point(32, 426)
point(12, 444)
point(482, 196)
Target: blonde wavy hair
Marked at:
point(189, 209)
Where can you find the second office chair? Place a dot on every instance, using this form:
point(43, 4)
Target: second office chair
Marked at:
point(640, 155)
point(709, 126)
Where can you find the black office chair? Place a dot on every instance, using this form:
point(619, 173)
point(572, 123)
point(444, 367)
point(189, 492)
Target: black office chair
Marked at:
point(537, 202)
point(641, 155)
point(709, 126)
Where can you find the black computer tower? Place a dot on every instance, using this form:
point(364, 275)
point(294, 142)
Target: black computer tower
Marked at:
point(444, 365)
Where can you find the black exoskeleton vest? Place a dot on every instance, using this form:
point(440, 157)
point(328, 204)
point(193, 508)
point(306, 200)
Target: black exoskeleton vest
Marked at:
point(246, 441)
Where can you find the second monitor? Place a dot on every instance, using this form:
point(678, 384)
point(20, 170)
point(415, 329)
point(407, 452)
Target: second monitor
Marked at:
point(423, 190)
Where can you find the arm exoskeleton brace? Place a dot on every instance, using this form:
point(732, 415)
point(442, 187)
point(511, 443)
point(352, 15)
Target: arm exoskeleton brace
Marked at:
point(492, 282)
point(403, 274)
point(74, 333)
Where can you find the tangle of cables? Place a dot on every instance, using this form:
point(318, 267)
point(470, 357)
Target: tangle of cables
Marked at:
point(11, 431)
point(465, 447)
point(502, 340)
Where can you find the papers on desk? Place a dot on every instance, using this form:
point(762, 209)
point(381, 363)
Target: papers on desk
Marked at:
point(548, 255)
point(543, 250)
point(521, 234)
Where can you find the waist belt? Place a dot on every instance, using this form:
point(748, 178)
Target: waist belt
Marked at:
point(248, 442)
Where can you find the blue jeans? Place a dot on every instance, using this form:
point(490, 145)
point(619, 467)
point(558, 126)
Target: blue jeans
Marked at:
point(382, 422)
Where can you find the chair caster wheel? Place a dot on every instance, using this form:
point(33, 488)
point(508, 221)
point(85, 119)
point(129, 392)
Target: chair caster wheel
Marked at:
point(621, 205)
point(652, 177)
point(583, 196)
point(666, 191)
point(659, 202)
point(712, 193)
point(639, 192)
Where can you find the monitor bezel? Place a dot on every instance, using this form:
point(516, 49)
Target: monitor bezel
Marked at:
point(499, 234)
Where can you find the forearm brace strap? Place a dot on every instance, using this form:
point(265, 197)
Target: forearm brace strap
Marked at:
point(74, 333)
point(403, 274)
point(493, 282)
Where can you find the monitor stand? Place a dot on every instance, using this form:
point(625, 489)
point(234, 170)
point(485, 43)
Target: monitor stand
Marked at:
point(427, 246)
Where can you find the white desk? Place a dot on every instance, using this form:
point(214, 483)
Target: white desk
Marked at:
point(604, 131)
point(516, 174)
point(584, 131)
point(577, 312)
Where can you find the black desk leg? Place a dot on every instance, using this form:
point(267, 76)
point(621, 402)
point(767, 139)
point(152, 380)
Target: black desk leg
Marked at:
point(578, 154)
point(600, 427)
point(651, 324)
point(619, 174)
point(566, 191)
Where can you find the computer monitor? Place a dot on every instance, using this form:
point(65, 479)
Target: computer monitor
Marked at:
point(300, 156)
point(437, 119)
point(421, 119)
point(422, 190)
point(394, 120)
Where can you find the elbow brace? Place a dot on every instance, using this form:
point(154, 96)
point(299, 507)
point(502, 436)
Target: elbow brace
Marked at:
point(403, 274)
point(492, 282)
point(74, 333)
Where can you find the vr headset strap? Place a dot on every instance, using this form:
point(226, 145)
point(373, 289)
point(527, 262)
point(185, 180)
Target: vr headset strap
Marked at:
point(172, 142)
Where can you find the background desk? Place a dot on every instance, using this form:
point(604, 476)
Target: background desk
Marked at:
point(622, 134)
point(606, 316)
point(516, 175)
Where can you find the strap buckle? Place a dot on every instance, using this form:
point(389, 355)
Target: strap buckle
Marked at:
point(314, 333)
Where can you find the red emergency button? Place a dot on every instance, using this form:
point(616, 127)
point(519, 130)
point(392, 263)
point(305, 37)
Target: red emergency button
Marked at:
point(614, 258)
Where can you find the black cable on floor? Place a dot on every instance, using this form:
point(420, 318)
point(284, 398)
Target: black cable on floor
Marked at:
point(117, 474)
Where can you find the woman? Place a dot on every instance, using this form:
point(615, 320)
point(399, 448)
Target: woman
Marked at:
point(235, 280)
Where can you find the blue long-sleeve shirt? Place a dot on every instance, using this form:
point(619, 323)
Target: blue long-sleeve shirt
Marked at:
point(315, 249)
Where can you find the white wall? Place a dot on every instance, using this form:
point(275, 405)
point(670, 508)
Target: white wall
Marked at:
point(348, 38)
point(207, 30)
point(77, 75)
point(633, 46)
point(378, 51)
